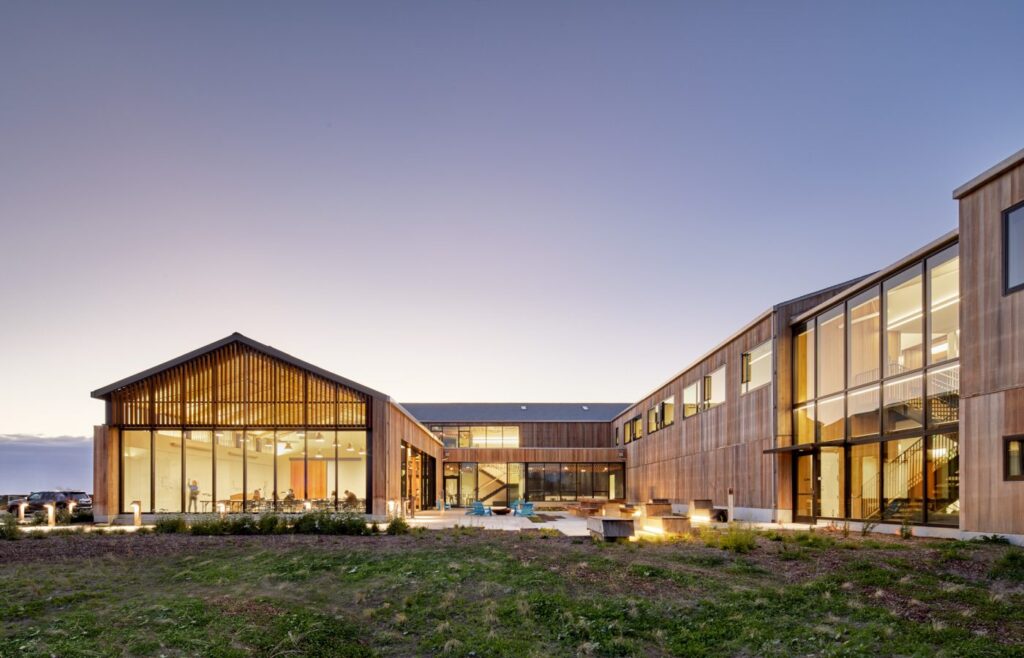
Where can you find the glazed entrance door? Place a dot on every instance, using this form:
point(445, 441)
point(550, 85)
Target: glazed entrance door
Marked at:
point(803, 484)
point(451, 490)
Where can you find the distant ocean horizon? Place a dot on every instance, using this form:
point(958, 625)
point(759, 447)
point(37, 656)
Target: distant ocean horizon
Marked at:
point(33, 463)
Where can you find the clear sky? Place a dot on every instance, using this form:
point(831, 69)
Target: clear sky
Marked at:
point(465, 201)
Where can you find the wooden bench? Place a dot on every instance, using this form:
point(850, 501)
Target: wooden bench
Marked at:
point(657, 508)
point(669, 524)
point(610, 528)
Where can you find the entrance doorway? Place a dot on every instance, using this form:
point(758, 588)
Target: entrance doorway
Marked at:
point(803, 487)
point(451, 490)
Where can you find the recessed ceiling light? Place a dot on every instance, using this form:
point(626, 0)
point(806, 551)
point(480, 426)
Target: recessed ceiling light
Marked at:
point(586, 408)
point(523, 407)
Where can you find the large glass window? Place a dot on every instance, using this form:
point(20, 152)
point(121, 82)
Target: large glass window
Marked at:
point(230, 484)
point(259, 473)
point(944, 395)
point(291, 470)
point(691, 401)
point(492, 480)
point(552, 481)
point(803, 363)
point(568, 482)
point(535, 481)
point(864, 481)
point(944, 304)
point(902, 479)
point(904, 406)
point(757, 367)
point(136, 464)
point(831, 350)
point(516, 481)
point(617, 480)
point(944, 479)
point(862, 409)
point(714, 388)
point(803, 424)
point(831, 419)
point(167, 471)
point(585, 480)
point(352, 456)
point(1013, 247)
point(831, 482)
point(321, 469)
point(904, 322)
point(865, 323)
point(1014, 458)
point(467, 484)
point(510, 436)
point(668, 411)
point(199, 471)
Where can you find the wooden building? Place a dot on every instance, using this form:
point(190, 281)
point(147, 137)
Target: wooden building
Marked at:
point(239, 426)
point(896, 398)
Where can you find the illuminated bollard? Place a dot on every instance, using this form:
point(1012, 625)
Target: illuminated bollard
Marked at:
point(51, 514)
point(136, 513)
point(21, 511)
point(391, 509)
point(307, 506)
point(71, 508)
point(222, 509)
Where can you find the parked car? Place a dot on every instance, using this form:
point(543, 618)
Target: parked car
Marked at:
point(37, 501)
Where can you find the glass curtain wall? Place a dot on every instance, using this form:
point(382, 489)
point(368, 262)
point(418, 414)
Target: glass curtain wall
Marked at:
point(259, 470)
point(136, 456)
point(230, 470)
point(167, 487)
point(502, 483)
point(199, 471)
point(876, 386)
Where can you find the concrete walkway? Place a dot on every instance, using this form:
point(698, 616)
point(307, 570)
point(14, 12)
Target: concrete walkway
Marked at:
point(565, 523)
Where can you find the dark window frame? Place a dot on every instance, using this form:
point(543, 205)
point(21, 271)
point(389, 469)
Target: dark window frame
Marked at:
point(1007, 440)
point(1007, 288)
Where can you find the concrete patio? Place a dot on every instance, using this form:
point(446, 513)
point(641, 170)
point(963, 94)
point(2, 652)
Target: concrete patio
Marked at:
point(563, 522)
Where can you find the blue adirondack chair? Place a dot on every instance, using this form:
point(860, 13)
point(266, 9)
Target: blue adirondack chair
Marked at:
point(442, 505)
point(479, 509)
point(526, 509)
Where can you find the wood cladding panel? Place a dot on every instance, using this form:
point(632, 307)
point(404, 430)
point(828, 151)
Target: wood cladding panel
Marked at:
point(991, 361)
point(501, 455)
point(106, 468)
point(392, 426)
point(992, 324)
point(565, 435)
point(988, 503)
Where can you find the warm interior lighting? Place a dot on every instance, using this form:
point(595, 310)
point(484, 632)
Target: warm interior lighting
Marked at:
point(349, 448)
point(319, 437)
point(307, 506)
point(700, 518)
point(940, 348)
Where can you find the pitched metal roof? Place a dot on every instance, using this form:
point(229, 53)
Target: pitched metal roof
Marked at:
point(514, 412)
point(245, 340)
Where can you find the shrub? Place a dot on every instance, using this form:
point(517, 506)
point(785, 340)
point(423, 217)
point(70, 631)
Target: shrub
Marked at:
point(398, 526)
point(271, 524)
point(241, 525)
point(906, 530)
point(9, 528)
point(867, 527)
point(62, 517)
point(325, 523)
point(375, 528)
point(1010, 566)
point(212, 526)
point(38, 518)
point(736, 539)
point(170, 525)
point(991, 539)
point(813, 540)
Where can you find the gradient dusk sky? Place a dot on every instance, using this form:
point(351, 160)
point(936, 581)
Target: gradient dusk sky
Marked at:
point(529, 201)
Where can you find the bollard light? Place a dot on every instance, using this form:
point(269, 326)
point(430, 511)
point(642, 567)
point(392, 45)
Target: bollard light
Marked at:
point(21, 511)
point(136, 513)
point(391, 509)
point(71, 507)
point(51, 514)
point(307, 505)
point(222, 509)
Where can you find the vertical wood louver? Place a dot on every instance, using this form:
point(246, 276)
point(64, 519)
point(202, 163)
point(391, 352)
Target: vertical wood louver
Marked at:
point(238, 386)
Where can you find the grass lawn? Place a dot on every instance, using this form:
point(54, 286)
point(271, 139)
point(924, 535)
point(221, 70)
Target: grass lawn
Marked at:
point(468, 592)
